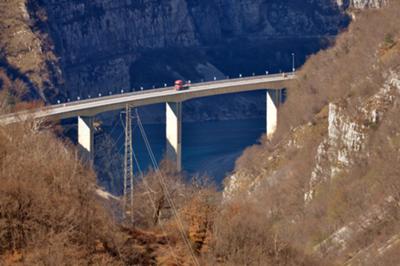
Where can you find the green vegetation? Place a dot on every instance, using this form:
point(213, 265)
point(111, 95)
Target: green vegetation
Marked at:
point(389, 41)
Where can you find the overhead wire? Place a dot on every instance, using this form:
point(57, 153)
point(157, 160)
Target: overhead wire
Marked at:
point(149, 195)
point(165, 187)
point(153, 204)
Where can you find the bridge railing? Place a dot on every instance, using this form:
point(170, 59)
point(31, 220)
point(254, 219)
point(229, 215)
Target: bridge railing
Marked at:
point(166, 87)
point(42, 111)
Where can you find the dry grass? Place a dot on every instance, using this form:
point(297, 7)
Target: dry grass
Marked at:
point(48, 211)
point(349, 72)
point(351, 68)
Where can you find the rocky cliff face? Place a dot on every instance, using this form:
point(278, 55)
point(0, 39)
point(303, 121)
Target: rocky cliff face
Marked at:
point(104, 46)
point(26, 51)
point(82, 48)
point(346, 142)
point(361, 4)
point(113, 44)
point(367, 3)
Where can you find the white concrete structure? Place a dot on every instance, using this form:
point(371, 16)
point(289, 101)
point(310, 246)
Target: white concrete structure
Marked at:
point(174, 133)
point(85, 110)
point(272, 113)
point(94, 106)
point(86, 136)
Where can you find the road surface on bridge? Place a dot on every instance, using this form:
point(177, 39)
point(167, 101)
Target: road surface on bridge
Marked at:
point(94, 106)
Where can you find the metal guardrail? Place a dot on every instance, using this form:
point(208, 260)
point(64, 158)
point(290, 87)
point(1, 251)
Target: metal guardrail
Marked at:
point(127, 94)
point(160, 89)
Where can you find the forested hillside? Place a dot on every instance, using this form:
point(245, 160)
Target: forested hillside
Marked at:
point(51, 212)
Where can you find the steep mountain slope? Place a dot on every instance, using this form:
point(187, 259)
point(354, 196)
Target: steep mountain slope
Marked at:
point(51, 212)
point(99, 41)
point(26, 50)
point(83, 48)
point(330, 177)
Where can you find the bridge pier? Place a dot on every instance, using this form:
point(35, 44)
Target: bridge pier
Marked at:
point(174, 133)
point(272, 102)
point(86, 136)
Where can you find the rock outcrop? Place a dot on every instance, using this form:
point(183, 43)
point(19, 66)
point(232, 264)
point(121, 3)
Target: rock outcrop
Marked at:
point(348, 134)
point(337, 187)
point(105, 45)
point(83, 48)
point(361, 4)
point(367, 3)
point(26, 51)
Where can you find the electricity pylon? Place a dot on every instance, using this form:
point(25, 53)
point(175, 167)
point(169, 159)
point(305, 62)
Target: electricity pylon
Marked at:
point(128, 164)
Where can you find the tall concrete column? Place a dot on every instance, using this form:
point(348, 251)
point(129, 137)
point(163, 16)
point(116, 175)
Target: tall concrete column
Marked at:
point(272, 112)
point(85, 136)
point(174, 132)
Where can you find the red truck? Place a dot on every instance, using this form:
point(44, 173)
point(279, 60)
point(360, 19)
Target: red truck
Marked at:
point(181, 85)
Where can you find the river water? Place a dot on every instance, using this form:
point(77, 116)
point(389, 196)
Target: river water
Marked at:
point(208, 148)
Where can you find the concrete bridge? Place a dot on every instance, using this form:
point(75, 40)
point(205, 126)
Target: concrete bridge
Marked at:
point(85, 110)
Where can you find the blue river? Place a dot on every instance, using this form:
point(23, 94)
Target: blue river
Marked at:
point(208, 148)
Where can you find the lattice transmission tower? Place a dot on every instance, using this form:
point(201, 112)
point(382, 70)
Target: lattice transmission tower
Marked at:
point(128, 165)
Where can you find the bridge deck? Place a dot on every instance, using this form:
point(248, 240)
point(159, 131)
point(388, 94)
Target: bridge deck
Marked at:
point(91, 107)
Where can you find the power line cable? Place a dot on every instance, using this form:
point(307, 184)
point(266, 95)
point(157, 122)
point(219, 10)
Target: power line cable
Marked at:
point(165, 187)
point(153, 204)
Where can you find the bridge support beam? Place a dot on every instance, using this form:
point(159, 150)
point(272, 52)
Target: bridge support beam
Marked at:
point(86, 136)
point(272, 101)
point(174, 133)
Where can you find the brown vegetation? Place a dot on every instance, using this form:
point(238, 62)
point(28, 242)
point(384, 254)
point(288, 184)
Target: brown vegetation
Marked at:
point(49, 213)
point(26, 51)
point(245, 234)
point(354, 216)
point(350, 68)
